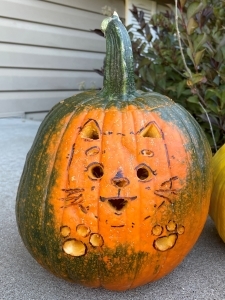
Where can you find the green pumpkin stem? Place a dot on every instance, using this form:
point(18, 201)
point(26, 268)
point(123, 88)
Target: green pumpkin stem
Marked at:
point(119, 68)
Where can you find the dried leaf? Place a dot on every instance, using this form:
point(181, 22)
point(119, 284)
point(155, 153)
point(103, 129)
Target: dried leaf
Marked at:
point(182, 3)
point(191, 26)
point(198, 57)
point(196, 78)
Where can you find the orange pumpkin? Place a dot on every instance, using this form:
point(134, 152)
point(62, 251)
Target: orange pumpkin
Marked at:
point(115, 190)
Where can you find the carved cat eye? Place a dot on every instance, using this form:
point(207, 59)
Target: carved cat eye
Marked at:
point(95, 170)
point(144, 172)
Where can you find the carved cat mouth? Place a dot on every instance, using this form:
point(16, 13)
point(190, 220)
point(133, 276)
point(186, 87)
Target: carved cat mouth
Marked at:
point(118, 203)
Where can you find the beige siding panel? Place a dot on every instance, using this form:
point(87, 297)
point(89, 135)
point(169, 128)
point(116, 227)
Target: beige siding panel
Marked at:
point(19, 32)
point(24, 79)
point(19, 56)
point(49, 13)
point(16, 103)
point(94, 5)
point(47, 52)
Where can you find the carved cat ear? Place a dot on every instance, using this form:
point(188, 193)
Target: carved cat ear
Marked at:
point(151, 130)
point(90, 130)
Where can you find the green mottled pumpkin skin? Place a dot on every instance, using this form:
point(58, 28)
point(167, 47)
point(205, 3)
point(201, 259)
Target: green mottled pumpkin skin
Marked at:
point(129, 263)
point(35, 215)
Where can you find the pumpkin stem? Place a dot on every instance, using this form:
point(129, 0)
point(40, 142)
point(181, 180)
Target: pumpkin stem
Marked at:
point(119, 69)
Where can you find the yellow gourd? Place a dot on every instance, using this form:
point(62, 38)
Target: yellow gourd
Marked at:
point(217, 204)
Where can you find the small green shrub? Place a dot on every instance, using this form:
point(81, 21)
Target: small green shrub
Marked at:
point(159, 65)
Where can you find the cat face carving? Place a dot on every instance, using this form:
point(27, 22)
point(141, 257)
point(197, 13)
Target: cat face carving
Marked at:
point(122, 179)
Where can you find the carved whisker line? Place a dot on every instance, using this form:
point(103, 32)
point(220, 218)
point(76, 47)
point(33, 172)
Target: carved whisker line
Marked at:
point(167, 191)
point(75, 202)
point(162, 196)
point(73, 191)
point(161, 205)
point(170, 181)
point(71, 156)
point(84, 210)
point(167, 154)
point(71, 198)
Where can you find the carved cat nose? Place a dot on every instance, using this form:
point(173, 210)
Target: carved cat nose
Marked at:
point(120, 182)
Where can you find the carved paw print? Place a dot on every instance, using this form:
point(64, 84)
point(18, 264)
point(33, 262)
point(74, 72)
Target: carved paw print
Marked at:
point(75, 247)
point(167, 241)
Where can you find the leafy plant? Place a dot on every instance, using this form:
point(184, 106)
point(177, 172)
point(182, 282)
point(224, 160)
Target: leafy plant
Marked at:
point(199, 84)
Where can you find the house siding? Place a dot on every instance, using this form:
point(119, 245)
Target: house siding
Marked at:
point(47, 52)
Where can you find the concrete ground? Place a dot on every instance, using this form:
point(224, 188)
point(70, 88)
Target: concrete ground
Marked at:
point(200, 276)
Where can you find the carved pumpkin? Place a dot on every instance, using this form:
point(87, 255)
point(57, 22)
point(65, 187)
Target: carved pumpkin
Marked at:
point(116, 187)
point(217, 203)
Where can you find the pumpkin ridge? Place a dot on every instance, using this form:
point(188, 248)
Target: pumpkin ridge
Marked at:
point(46, 203)
point(27, 166)
point(198, 188)
point(207, 152)
point(29, 180)
point(158, 269)
point(98, 262)
point(190, 138)
point(137, 263)
point(186, 132)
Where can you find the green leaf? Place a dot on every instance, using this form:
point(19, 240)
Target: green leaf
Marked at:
point(140, 31)
point(143, 46)
point(193, 99)
point(181, 87)
point(143, 73)
point(131, 35)
point(151, 76)
point(222, 72)
point(162, 82)
point(189, 53)
point(194, 8)
point(128, 27)
point(211, 93)
point(139, 41)
point(223, 51)
point(213, 107)
point(222, 98)
point(217, 80)
point(201, 39)
point(149, 37)
point(145, 61)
